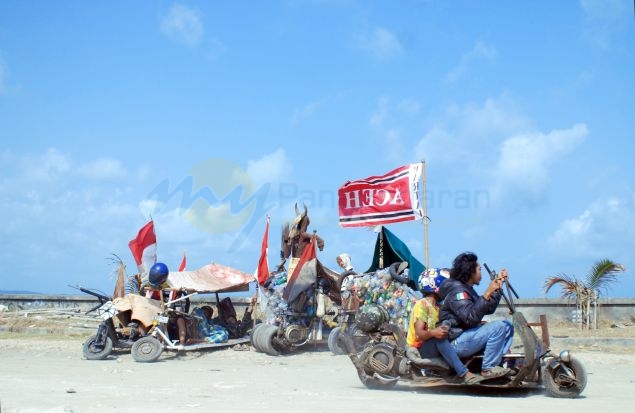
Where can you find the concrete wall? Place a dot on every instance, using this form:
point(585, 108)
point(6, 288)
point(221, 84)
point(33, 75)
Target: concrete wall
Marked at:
point(80, 303)
point(557, 310)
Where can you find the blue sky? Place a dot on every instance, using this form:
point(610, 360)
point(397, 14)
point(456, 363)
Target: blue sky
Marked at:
point(528, 102)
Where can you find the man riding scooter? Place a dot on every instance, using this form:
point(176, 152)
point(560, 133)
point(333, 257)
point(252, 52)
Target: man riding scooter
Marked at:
point(464, 309)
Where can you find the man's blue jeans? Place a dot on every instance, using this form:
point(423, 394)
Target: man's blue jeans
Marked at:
point(495, 337)
point(435, 347)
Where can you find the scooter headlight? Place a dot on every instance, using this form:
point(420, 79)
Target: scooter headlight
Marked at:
point(565, 356)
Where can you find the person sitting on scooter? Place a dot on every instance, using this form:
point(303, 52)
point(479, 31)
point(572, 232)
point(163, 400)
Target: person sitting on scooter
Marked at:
point(227, 317)
point(350, 300)
point(208, 331)
point(465, 309)
point(159, 290)
point(426, 335)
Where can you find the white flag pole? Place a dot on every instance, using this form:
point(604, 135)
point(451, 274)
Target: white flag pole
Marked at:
point(425, 213)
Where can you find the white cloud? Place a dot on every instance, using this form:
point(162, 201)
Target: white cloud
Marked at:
point(305, 112)
point(408, 106)
point(183, 24)
point(103, 169)
point(479, 51)
point(215, 49)
point(526, 157)
point(608, 10)
point(394, 149)
point(463, 131)
point(603, 229)
point(46, 166)
point(496, 146)
point(273, 167)
point(605, 18)
point(382, 44)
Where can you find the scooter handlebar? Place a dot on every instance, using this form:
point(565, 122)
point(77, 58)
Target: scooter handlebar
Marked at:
point(94, 294)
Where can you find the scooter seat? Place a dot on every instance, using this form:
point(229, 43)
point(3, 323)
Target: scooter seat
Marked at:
point(425, 363)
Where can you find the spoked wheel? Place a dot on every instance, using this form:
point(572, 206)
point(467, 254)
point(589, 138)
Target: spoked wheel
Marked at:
point(333, 341)
point(94, 352)
point(566, 380)
point(147, 349)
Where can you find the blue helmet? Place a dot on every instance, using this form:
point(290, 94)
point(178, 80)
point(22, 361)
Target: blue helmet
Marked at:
point(158, 274)
point(431, 279)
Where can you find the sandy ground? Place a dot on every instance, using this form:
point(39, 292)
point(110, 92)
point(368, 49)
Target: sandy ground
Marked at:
point(46, 373)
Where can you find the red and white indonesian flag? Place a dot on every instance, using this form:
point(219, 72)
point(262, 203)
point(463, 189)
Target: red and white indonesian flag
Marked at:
point(144, 247)
point(304, 274)
point(381, 200)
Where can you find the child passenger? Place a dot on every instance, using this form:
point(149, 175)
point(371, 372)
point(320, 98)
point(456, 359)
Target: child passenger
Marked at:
point(423, 332)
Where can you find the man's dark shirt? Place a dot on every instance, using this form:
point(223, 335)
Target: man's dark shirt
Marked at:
point(463, 306)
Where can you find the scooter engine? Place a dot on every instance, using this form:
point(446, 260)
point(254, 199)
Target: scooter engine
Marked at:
point(381, 358)
point(295, 334)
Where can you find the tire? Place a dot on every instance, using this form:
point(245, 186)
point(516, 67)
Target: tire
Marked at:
point(258, 343)
point(556, 387)
point(91, 353)
point(375, 384)
point(393, 273)
point(252, 335)
point(333, 341)
point(147, 350)
point(266, 339)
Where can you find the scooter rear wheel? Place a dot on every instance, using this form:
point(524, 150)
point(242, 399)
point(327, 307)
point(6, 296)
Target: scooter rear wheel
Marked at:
point(93, 353)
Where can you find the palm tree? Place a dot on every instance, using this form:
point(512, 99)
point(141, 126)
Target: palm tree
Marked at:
point(587, 292)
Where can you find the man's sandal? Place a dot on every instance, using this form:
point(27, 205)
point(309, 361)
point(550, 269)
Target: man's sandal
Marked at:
point(495, 372)
point(473, 379)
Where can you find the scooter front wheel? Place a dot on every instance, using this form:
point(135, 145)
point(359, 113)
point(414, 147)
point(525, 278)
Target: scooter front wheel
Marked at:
point(565, 380)
point(147, 349)
point(94, 352)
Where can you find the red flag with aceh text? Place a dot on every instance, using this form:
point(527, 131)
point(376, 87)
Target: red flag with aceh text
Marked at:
point(381, 200)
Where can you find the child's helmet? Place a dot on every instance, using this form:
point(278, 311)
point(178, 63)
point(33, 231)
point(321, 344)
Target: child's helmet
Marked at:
point(431, 279)
point(158, 274)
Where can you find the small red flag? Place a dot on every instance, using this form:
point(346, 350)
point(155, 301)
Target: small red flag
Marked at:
point(183, 264)
point(262, 273)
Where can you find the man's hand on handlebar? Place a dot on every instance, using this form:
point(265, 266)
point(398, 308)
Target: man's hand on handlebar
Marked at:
point(496, 284)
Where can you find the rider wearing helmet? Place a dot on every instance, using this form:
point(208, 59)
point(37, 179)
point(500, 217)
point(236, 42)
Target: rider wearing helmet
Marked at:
point(158, 275)
point(157, 285)
point(425, 335)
